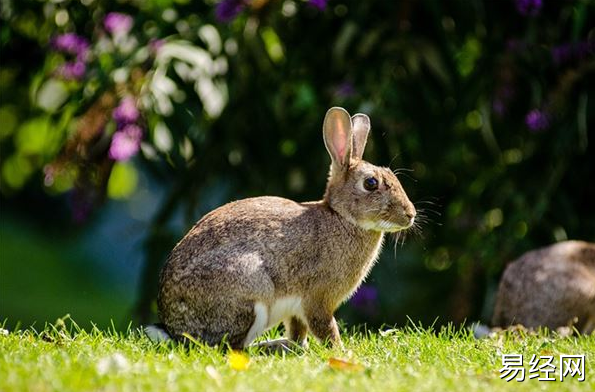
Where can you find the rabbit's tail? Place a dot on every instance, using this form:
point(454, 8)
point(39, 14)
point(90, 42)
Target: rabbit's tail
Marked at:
point(157, 333)
point(480, 331)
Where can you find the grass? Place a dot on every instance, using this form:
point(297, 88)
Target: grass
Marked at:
point(63, 357)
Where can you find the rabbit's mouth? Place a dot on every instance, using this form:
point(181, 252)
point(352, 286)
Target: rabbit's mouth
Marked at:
point(385, 226)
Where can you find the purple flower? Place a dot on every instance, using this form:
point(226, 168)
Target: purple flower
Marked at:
point(227, 10)
point(528, 7)
point(73, 70)
point(502, 98)
point(345, 90)
point(117, 23)
point(537, 120)
point(499, 107)
point(365, 298)
point(125, 142)
point(320, 4)
point(561, 53)
point(572, 51)
point(585, 49)
point(81, 204)
point(71, 43)
point(81, 209)
point(49, 172)
point(516, 45)
point(155, 45)
point(126, 112)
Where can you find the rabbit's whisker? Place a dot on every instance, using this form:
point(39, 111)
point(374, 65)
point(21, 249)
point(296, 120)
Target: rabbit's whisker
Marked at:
point(427, 202)
point(392, 160)
point(401, 170)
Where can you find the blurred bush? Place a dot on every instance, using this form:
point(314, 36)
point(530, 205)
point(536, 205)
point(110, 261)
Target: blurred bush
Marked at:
point(488, 104)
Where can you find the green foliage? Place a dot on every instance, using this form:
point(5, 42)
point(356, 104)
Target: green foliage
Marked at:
point(490, 107)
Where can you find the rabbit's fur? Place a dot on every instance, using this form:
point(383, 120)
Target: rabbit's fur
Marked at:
point(549, 287)
point(253, 263)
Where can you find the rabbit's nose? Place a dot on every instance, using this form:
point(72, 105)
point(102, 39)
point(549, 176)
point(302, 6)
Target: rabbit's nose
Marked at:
point(411, 215)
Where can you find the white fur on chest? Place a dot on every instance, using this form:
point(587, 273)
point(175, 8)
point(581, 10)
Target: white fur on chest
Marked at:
point(269, 316)
point(283, 309)
point(373, 258)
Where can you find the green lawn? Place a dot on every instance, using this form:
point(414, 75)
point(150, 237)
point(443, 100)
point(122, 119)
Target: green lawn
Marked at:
point(411, 359)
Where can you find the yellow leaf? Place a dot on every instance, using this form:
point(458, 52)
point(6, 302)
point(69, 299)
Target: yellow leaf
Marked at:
point(122, 181)
point(341, 364)
point(238, 360)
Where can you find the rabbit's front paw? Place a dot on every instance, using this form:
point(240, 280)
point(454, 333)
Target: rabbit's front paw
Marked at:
point(324, 327)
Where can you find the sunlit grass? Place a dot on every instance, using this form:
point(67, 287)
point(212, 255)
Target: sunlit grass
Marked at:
point(62, 357)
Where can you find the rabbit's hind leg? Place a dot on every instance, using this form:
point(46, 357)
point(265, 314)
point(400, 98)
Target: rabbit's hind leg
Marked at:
point(277, 346)
point(237, 323)
point(296, 340)
point(258, 324)
point(297, 331)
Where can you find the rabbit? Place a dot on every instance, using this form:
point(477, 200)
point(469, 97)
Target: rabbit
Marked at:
point(549, 287)
point(253, 263)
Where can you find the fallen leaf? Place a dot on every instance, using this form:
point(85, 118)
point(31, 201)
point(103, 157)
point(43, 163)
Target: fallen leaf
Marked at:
point(238, 360)
point(341, 364)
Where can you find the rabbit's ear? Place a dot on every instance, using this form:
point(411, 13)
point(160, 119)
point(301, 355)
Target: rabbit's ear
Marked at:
point(337, 136)
point(361, 128)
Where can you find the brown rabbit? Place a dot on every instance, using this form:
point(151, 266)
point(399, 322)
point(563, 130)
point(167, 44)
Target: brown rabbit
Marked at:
point(253, 263)
point(549, 287)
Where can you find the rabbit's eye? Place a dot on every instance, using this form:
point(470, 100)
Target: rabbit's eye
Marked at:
point(370, 184)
